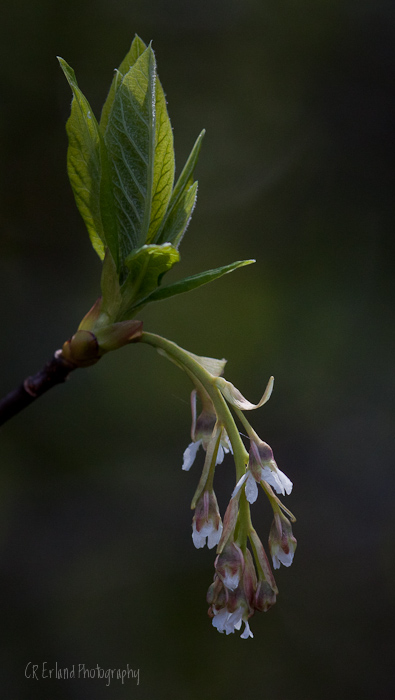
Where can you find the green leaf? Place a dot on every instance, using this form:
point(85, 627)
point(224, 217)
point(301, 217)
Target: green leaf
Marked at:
point(163, 165)
point(180, 216)
point(111, 292)
point(184, 182)
point(190, 283)
point(130, 138)
point(146, 268)
point(137, 48)
point(88, 170)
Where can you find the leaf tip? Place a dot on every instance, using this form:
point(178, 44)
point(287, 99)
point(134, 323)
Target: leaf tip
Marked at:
point(62, 63)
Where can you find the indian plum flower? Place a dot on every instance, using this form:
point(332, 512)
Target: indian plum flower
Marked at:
point(206, 523)
point(262, 466)
point(202, 430)
point(282, 543)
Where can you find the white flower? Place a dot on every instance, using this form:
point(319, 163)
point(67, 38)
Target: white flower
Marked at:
point(239, 485)
point(279, 556)
point(276, 478)
point(251, 489)
point(228, 622)
point(207, 531)
point(231, 580)
point(206, 523)
point(247, 632)
point(224, 448)
point(229, 565)
point(190, 454)
point(282, 543)
point(263, 466)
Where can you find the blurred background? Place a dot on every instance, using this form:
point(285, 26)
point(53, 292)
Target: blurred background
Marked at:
point(97, 562)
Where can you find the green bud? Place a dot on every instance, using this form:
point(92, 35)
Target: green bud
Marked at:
point(82, 349)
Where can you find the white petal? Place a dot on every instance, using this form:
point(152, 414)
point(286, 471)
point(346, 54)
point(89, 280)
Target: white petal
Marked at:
point(220, 619)
point(247, 632)
point(190, 454)
point(199, 538)
point(226, 443)
point(286, 559)
point(239, 485)
point(231, 581)
point(234, 621)
point(287, 483)
point(271, 477)
point(251, 489)
point(211, 364)
point(236, 398)
point(220, 455)
point(276, 563)
point(214, 537)
point(225, 446)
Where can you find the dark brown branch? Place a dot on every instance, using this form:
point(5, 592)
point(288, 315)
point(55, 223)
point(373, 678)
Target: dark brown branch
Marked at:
point(55, 372)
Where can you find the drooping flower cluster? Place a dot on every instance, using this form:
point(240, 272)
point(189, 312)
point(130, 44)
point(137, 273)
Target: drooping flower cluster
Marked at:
point(243, 580)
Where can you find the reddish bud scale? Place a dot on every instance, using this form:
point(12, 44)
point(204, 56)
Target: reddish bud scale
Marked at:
point(82, 349)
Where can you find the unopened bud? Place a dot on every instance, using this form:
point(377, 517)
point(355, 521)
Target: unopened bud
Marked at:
point(265, 597)
point(118, 334)
point(282, 543)
point(229, 565)
point(82, 350)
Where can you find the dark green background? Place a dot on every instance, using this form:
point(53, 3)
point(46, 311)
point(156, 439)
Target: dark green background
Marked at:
point(97, 562)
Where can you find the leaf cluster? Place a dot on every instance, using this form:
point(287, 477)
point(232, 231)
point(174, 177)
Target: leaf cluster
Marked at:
point(121, 169)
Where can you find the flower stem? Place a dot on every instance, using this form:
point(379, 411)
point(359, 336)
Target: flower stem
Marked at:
point(191, 366)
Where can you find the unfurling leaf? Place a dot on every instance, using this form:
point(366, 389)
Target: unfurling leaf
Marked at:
point(193, 282)
point(137, 48)
point(130, 138)
point(88, 170)
point(168, 230)
point(146, 267)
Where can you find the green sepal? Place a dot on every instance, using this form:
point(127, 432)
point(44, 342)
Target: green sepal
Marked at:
point(193, 282)
point(146, 268)
point(89, 170)
point(167, 231)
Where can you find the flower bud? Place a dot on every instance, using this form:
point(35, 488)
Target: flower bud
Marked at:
point(282, 543)
point(262, 465)
point(230, 607)
point(206, 523)
point(229, 565)
point(116, 335)
point(202, 426)
point(230, 520)
point(217, 594)
point(261, 560)
point(249, 580)
point(82, 349)
point(265, 597)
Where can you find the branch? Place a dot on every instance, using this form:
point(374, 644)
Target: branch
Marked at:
point(56, 371)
